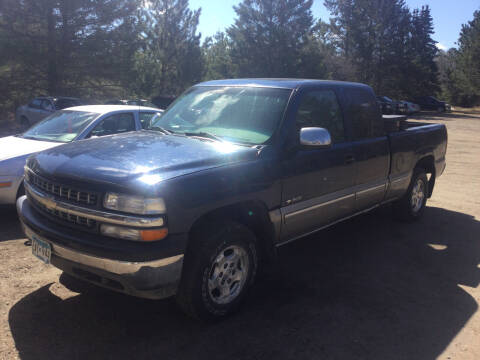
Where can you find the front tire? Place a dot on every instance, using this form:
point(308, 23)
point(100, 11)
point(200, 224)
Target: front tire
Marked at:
point(412, 205)
point(220, 266)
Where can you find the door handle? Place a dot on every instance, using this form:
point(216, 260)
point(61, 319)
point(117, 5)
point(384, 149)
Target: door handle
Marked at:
point(349, 159)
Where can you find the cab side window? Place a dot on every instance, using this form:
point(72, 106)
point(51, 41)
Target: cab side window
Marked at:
point(320, 108)
point(114, 124)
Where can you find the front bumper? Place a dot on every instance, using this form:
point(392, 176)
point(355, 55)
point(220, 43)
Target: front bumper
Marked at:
point(153, 279)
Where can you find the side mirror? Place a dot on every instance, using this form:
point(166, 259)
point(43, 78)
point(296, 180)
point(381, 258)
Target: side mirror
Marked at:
point(315, 136)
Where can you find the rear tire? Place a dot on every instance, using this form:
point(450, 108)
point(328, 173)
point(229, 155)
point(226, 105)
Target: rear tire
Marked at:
point(220, 267)
point(412, 205)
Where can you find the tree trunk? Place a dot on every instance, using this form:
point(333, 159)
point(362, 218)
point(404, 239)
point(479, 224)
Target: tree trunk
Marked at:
point(51, 55)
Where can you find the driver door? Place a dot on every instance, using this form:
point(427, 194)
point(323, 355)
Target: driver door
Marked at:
point(317, 182)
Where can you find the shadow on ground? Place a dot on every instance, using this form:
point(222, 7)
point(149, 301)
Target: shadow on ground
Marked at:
point(369, 288)
point(10, 228)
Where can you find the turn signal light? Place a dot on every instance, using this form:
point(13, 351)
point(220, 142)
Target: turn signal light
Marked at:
point(153, 235)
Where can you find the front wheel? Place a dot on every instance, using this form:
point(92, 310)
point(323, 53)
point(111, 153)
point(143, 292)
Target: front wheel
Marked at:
point(220, 267)
point(412, 205)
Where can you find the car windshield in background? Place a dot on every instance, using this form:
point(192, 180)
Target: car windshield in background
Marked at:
point(61, 126)
point(238, 114)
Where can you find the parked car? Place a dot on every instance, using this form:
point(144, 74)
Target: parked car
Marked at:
point(390, 106)
point(61, 127)
point(411, 108)
point(231, 171)
point(431, 103)
point(41, 107)
point(386, 106)
point(137, 102)
point(163, 101)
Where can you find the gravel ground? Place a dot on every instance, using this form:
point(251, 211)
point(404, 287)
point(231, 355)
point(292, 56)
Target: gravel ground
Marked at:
point(370, 288)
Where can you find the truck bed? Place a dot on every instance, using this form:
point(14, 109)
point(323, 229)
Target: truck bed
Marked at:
point(413, 141)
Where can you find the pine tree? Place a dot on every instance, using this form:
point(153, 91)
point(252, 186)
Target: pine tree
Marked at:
point(468, 59)
point(170, 58)
point(64, 47)
point(218, 59)
point(371, 35)
point(269, 36)
point(422, 72)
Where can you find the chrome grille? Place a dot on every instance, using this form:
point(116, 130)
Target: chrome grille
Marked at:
point(62, 191)
point(61, 215)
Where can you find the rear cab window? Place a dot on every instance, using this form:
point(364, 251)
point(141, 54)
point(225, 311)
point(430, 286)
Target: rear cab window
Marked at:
point(365, 114)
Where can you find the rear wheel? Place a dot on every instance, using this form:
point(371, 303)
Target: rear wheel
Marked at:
point(24, 123)
point(412, 205)
point(220, 267)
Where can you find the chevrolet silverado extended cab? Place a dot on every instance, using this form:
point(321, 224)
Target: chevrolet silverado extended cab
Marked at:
point(231, 171)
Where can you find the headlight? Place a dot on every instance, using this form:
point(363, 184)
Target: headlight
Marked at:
point(134, 204)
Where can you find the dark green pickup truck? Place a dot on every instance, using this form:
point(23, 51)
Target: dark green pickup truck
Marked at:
point(231, 171)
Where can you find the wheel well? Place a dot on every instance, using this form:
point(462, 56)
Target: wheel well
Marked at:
point(252, 214)
point(428, 164)
point(21, 190)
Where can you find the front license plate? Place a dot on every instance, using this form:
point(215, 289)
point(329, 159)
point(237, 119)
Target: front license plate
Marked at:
point(41, 249)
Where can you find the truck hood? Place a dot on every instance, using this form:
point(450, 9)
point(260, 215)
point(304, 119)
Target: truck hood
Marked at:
point(147, 155)
point(15, 146)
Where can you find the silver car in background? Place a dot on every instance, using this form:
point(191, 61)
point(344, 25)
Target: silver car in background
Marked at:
point(72, 124)
point(41, 107)
point(412, 108)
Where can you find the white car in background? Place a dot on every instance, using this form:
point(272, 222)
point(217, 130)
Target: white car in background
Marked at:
point(412, 108)
point(72, 124)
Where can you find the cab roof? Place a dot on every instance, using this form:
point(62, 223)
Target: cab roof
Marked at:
point(278, 83)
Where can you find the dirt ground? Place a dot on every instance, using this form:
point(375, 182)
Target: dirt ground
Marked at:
point(370, 288)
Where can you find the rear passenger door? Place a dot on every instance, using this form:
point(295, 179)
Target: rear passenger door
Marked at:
point(114, 124)
point(318, 183)
point(371, 149)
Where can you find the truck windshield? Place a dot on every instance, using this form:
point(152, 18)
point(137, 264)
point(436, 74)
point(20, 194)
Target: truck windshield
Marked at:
point(247, 115)
point(61, 126)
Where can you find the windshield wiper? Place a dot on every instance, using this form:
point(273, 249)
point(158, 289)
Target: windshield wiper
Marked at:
point(162, 130)
point(204, 134)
